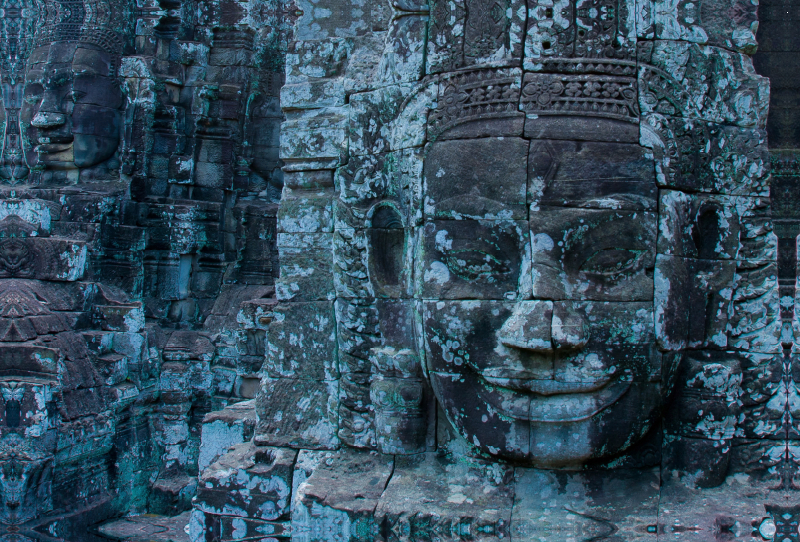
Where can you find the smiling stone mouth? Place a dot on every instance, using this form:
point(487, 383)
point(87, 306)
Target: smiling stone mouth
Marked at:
point(55, 139)
point(548, 387)
point(549, 401)
point(51, 148)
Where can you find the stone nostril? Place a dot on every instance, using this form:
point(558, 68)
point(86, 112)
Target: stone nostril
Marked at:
point(568, 339)
point(12, 504)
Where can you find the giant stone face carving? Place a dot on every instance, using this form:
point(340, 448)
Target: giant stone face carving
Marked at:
point(538, 315)
point(553, 215)
point(524, 250)
point(71, 106)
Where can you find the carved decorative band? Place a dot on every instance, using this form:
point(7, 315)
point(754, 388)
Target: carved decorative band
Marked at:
point(600, 66)
point(585, 95)
point(475, 94)
point(660, 92)
point(785, 163)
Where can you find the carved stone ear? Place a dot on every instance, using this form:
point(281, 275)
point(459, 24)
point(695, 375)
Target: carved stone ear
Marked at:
point(387, 239)
point(707, 229)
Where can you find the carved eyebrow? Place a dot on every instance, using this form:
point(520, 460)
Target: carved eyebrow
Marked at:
point(58, 78)
point(35, 74)
point(621, 202)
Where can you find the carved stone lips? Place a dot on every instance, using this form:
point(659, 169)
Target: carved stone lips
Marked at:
point(55, 139)
point(548, 387)
point(551, 401)
point(53, 145)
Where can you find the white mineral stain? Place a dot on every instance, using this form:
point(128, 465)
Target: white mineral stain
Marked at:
point(541, 242)
point(438, 273)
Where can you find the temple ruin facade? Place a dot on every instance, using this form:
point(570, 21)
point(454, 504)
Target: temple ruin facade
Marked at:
point(399, 270)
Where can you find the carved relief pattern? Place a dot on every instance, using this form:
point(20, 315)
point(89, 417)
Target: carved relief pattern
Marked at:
point(487, 27)
point(595, 32)
point(613, 97)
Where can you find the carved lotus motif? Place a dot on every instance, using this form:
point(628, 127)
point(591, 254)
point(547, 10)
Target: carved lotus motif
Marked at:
point(544, 91)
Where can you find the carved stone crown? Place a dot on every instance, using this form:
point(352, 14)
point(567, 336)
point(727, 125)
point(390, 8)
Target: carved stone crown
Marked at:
point(581, 59)
point(502, 92)
point(103, 23)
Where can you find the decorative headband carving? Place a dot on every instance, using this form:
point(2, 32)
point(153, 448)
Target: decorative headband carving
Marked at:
point(496, 92)
point(103, 23)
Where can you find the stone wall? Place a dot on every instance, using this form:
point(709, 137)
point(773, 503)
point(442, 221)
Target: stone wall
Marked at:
point(140, 178)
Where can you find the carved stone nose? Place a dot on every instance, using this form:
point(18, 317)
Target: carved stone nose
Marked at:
point(529, 327)
point(544, 326)
point(46, 119)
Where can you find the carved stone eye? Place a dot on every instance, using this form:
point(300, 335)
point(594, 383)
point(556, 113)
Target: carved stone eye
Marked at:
point(74, 96)
point(473, 264)
point(612, 261)
point(33, 93)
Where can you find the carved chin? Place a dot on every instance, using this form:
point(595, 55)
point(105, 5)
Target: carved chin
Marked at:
point(555, 431)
